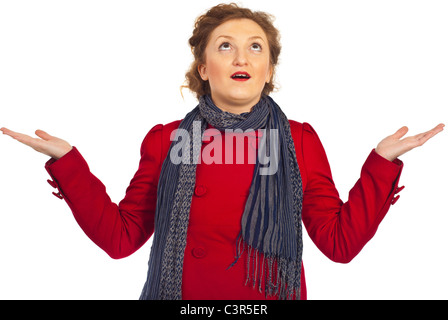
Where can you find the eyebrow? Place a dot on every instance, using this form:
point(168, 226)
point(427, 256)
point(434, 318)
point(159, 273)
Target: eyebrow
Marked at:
point(231, 38)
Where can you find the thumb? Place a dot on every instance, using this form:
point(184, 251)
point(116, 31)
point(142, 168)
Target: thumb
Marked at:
point(400, 133)
point(42, 134)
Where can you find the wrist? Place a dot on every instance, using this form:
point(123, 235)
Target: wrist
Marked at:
point(62, 153)
point(385, 155)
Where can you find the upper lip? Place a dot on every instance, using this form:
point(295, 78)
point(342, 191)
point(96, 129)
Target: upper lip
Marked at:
point(240, 73)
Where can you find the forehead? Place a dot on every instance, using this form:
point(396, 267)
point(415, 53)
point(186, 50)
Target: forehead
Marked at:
point(239, 29)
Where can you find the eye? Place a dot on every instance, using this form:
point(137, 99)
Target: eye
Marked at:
point(256, 47)
point(225, 46)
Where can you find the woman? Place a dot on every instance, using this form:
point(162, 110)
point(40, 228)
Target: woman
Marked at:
point(222, 228)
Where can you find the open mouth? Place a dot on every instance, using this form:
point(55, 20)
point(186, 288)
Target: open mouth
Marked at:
point(240, 76)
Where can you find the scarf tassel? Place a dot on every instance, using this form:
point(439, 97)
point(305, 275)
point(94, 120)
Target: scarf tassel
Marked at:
point(278, 276)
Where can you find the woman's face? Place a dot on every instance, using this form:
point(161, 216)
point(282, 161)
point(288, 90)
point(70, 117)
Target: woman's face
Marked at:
point(237, 65)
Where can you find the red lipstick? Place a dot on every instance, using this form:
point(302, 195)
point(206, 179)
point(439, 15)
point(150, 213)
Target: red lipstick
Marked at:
point(240, 76)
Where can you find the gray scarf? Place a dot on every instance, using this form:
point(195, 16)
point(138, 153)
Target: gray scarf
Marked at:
point(271, 229)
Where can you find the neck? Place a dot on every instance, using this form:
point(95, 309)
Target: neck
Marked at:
point(235, 106)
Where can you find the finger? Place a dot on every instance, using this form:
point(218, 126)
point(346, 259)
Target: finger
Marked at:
point(431, 132)
point(23, 138)
point(10, 133)
point(439, 127)
point(421, 138)
point(5, 131)
point(400, 132)
point(42, 134)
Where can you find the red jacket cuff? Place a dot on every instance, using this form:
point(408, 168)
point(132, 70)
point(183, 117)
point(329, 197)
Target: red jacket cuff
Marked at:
point(383, 167)
point(65, 169)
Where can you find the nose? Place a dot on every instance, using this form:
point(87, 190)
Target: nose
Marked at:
point(240, 58)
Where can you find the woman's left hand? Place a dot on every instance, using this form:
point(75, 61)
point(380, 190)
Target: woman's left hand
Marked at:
point(392, 147)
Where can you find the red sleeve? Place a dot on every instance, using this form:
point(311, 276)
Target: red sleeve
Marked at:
point(340, 230)
point(118, 229)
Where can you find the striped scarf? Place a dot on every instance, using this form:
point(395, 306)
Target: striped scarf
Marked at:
point(271, 229)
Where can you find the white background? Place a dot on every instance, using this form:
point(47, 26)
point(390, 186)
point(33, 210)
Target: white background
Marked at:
point(100, 74)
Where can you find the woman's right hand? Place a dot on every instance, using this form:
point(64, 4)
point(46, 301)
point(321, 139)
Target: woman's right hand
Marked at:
point(49, 145)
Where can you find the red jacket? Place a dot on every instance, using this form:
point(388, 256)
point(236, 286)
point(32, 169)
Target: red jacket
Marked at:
point(339, 230)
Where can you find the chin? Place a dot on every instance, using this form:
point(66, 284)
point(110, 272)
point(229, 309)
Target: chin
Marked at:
point(243, 97)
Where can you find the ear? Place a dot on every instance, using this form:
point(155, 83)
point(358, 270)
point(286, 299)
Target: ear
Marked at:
point(202, 69)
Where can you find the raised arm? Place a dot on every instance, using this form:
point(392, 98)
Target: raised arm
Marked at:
point(340, 230)
point(118, 229)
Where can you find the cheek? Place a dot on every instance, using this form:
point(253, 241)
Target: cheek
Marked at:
point(264, 72)
point(215, 71)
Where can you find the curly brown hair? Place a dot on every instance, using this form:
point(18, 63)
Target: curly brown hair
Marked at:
point(214, 17)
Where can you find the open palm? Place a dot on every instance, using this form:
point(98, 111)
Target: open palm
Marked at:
point(46, 144)
point(393, 146)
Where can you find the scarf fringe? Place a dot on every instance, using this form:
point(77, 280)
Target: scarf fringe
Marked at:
point(280, 277)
